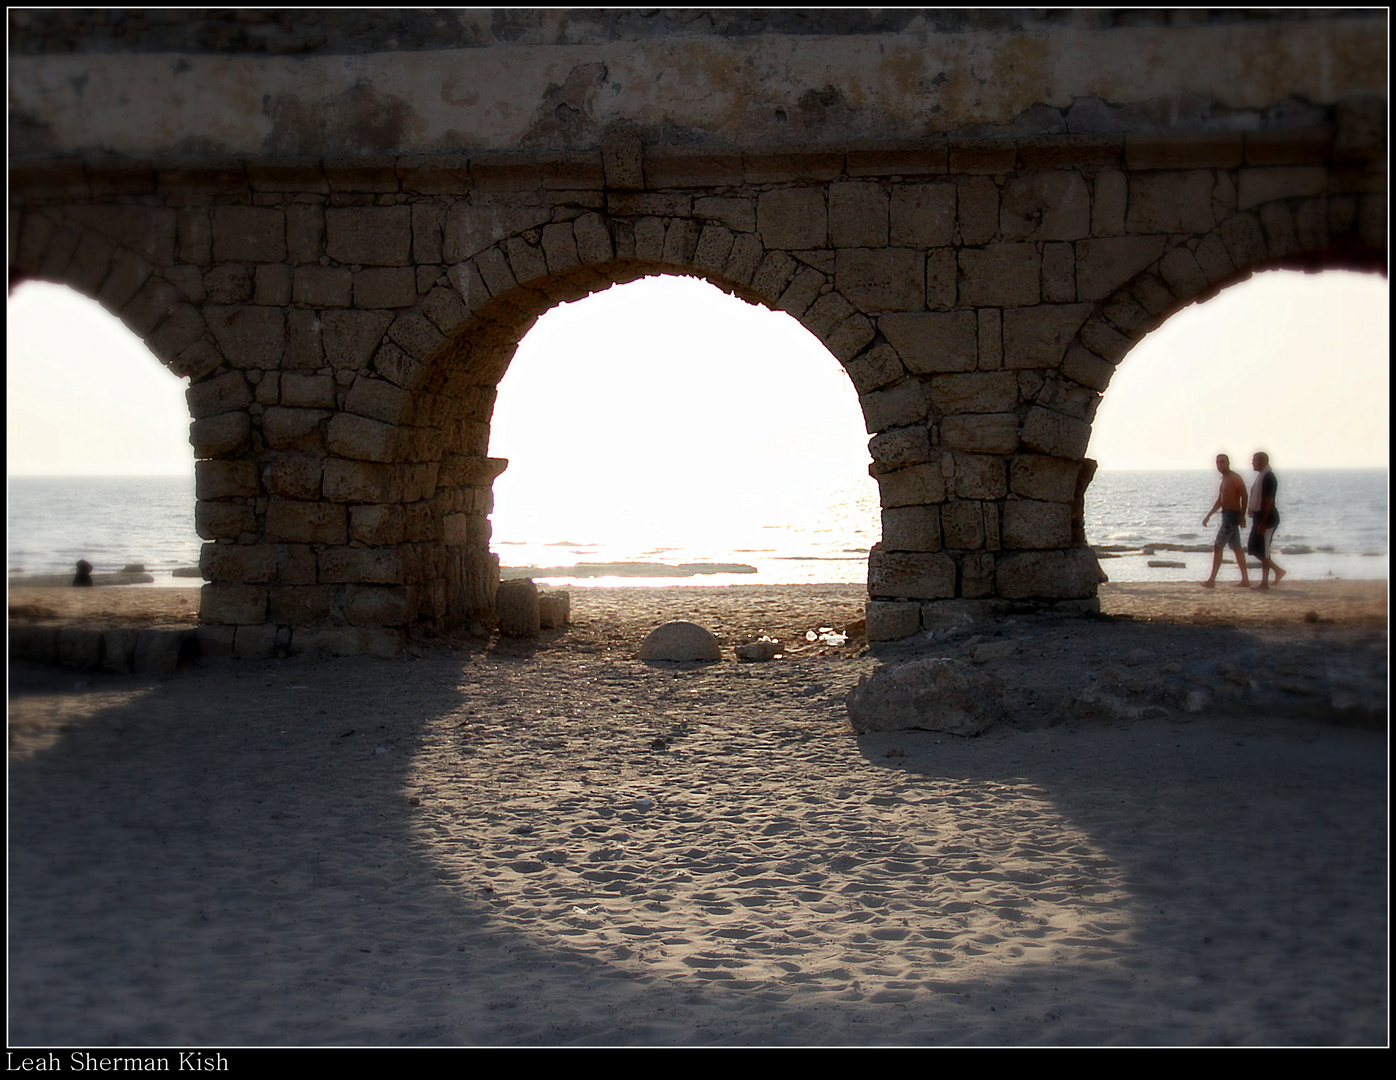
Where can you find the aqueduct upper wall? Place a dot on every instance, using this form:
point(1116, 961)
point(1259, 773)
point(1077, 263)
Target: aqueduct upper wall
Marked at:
point(339, 232)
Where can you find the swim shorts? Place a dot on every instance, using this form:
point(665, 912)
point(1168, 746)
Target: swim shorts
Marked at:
point(1229, 531)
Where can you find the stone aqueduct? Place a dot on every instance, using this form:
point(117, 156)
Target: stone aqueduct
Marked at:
point(343, 299)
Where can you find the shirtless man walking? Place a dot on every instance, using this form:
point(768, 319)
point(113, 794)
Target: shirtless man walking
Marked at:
point(1231, 500)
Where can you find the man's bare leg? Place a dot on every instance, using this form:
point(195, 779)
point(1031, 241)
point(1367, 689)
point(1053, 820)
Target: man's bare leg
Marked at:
point(1211, 582)
point(1245, 582)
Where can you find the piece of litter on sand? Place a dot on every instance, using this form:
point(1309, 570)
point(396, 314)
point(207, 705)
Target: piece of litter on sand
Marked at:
point(380, 750)
point(644, 804)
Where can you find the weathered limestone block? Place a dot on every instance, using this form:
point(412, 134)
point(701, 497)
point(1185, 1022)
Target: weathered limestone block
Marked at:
point(679, 642)
point(119, 650)
point(79, 647)
point(378, 399)
point(195, 235)
point(1281, 237)
point(362, 439)
point(273, 286)
point(230, 283)
point(977, 209)
point(1037, 476)
point(255, 642)
point(307, 391)
point(151, 306)
point(801, 291)
point(1047, 575)
point(985, 433)
point(126, 277)
point(248, 335)
point(976, 577)
point(738, 214)
point(516, 602)
point(386, 642)
point(385, 287)
point(1265, 185)
point(941, 279)
point(922, 215)
point(369, 235)
point(826, 314)
point(714, 245)
point(850, 337)
point(232, 604)
point(911, 528)
point(931, 342)
point(934, 694)
point(680, 241)
point(301, 605)
point(882, 279)
point(1032, 525)
point(221, 436)
point(249, 564)
point(900, 446)
point(892, 620)
point(249, 234)
point(977, 476)
point(1054, 434)
point(554, 609)
point(294, 476)
point(1086, 368)
point(1051, 205)
point(1037, 337)
point(159, 651)
point(1000, 275)
point(367, 565)
point(976, 392)
point(222, 479)
point(874, 369)
point(990, 321)
point(1065, 396)
point(323, 286)
point(896, 406)
point(857, 215)
point(910, 575)
point(379, 605)
point(746, 255)
point(912, 486)
point(305, 232)
point(378, 524)
point(1171, 202)
point(775, 270)
point(962, 525)
point(295, 521)
point(285, 428)
point(793, 218)
point(1179, 268)
point(224, 393)
point(1103, 265)
point(1105, 341)
point(1244, 240)
point(1108, 204)
point(223, 520)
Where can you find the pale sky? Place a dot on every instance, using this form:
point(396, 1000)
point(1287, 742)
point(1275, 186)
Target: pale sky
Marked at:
point(670, 377)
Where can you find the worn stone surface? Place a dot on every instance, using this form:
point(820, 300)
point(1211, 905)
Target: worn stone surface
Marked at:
point(516, 602)
point(935, 694)
point(680, 642)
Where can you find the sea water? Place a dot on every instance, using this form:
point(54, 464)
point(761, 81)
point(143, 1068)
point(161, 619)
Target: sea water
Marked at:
point(1333, 525)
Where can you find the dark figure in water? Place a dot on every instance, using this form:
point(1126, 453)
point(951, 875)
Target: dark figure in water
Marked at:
point(84, 574)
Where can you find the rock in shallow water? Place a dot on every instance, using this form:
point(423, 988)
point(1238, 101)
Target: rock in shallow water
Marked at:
point(936, 694)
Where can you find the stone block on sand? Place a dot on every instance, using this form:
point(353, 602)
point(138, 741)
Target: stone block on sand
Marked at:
point(554, 609)
point(516, 602)
point(936, 694)
point(680, 641)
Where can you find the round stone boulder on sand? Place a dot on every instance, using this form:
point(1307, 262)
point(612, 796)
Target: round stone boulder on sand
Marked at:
point(936, 694)
point(680, 641)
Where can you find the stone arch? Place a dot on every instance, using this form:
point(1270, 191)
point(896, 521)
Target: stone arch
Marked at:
point(406, 448)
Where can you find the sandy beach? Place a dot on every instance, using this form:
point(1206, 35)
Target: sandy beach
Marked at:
point(1178, 837)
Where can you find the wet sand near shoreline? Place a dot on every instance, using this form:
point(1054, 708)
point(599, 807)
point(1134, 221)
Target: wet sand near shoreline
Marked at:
point(553, 843)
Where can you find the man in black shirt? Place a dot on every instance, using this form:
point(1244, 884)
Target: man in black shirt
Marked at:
point(1264, 518)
